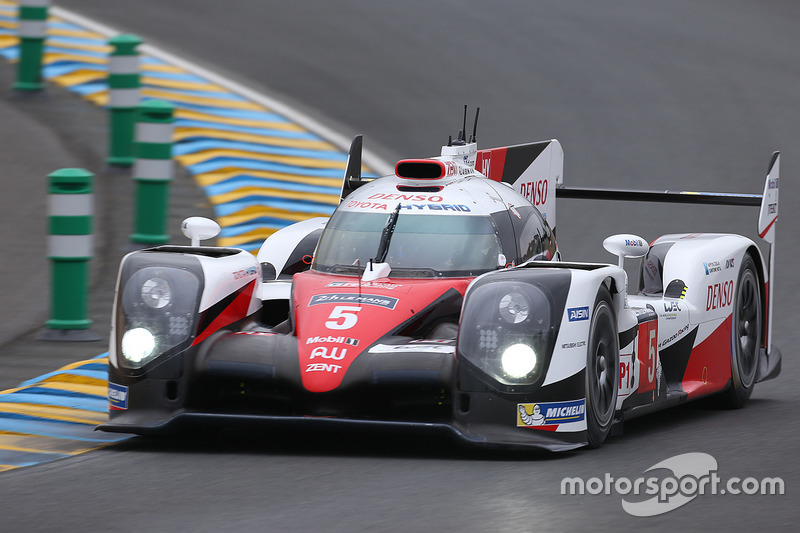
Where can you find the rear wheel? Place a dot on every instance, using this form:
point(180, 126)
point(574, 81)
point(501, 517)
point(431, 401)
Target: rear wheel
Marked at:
point(746, 334)
point(602, 369)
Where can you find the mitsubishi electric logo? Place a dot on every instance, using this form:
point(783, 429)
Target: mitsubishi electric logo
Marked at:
point(672, 483)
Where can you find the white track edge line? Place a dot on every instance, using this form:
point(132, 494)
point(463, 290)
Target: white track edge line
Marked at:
point(376, 163)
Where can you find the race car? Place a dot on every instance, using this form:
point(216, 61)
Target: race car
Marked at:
point(437, 299)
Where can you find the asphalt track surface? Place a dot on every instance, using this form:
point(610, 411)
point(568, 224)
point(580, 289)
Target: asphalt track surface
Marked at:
point(678, 95)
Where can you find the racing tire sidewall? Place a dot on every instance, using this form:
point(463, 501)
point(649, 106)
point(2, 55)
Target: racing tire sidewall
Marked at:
point(746, 333)
point(602, 369)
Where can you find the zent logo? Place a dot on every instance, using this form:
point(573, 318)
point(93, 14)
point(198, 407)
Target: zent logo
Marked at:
point(322, 367)
point(578, 313)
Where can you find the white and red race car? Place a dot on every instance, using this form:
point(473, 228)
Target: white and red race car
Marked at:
point(436, 298)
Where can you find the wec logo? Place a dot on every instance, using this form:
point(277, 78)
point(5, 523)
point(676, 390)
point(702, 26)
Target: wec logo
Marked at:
point(576, 314)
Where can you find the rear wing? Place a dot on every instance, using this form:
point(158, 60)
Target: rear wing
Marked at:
point(766, 202)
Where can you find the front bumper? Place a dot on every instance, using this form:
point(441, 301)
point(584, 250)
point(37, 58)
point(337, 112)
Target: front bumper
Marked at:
point(187, 420)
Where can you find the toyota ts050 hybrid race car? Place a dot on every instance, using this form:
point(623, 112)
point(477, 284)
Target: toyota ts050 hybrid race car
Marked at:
point(436, 298)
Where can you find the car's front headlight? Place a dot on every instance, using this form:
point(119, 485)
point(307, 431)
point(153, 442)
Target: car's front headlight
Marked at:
point(518, 361)
point(158, 310)
point(507, 330)
point(156, 292)
point(138, 344)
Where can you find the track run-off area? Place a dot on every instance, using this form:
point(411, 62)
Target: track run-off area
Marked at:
point(261, 165)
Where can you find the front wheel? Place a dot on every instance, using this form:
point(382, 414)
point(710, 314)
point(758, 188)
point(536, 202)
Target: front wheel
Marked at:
point(602, 369)
point(746, 334)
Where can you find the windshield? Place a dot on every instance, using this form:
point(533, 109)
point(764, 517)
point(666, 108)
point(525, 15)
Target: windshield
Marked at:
point(421, 245)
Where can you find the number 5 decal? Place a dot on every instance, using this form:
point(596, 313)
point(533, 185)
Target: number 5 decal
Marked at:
point(343, 317)
point(651, 357)
point(648, 355)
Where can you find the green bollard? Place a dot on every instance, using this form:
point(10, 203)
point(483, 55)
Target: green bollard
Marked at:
point(153, 171)
point(123, 98)
point(70, 248)
point(32, 32)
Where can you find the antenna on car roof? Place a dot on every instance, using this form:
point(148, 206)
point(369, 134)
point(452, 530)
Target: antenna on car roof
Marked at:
point(475, 126)
point(462, 136)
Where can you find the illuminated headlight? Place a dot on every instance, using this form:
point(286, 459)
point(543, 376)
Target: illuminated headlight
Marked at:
point(156, 293)
point(518, 360)
point(138, 345)
point(507, 330)
point(157, 309)
point(514, 307)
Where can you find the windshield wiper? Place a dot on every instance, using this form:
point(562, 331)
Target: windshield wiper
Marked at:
point(386, 236)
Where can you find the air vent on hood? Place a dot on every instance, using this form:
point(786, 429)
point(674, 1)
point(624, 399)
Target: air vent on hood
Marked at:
point(412, 188)
point(420, 169)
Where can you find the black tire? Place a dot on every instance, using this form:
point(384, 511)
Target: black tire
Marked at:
point(602, 369)
point(746, 334)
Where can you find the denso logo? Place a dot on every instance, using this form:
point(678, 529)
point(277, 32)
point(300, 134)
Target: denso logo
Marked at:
point(719, 295)
point(405, 197)
point(578, 313)
point(535, 191)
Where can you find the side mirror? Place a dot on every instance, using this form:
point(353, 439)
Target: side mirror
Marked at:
point(626, 245)
point(199, 229)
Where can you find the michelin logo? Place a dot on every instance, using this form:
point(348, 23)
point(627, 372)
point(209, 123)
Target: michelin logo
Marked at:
point(550, 413)
point(117, 397)
point(578, 313)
